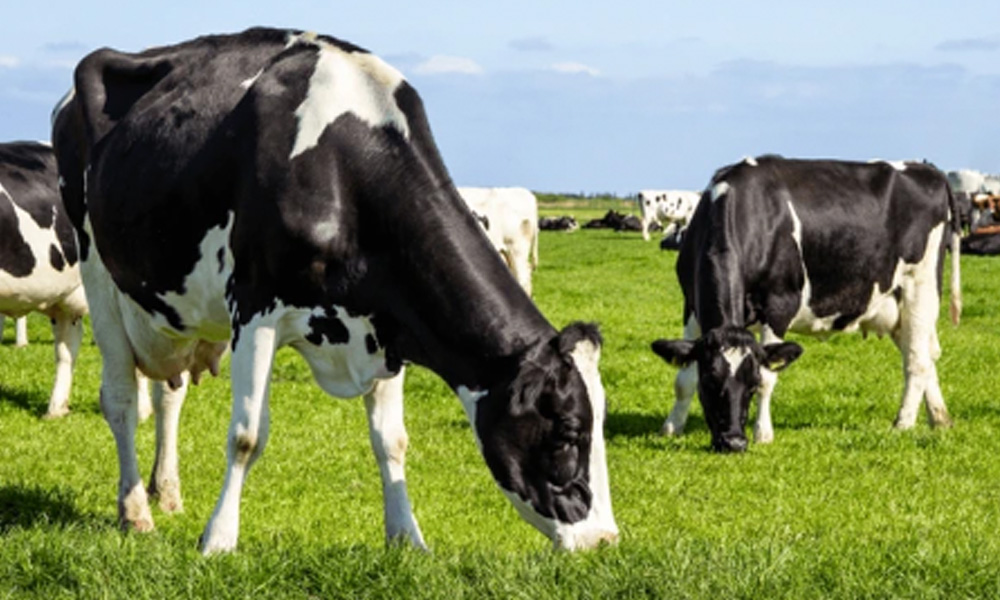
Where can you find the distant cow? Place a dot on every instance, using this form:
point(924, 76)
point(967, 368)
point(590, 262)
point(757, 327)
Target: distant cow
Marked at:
point(671, 209)
point(38, 257)
point(20, 331)
point(297, 199)
point(615, 220)
point(563, 223)
point(510, 218)
point(808, 246)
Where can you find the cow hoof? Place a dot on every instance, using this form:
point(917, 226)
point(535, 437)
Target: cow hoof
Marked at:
point(170, 501)
point(941, 421)
point(138, 526)
point(763, 437)
point(214, 547)
point(669, 429)
point(55, 414)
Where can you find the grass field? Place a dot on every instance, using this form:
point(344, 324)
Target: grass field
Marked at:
point(839, 506)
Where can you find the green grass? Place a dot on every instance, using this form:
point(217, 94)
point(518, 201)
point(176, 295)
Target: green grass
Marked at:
point(839, 506)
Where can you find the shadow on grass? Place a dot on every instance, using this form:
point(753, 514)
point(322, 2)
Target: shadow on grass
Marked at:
point(27, 507)
point(34, 402)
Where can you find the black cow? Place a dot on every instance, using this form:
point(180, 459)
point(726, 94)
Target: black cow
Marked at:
point(809, 246)
point(39, 268)
point(274, 188)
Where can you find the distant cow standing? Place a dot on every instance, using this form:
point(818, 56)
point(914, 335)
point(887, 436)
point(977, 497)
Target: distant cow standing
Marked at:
point(510, 218)
point(297, 198)
point(808, 246)
point(671, 209)
point(38, 257)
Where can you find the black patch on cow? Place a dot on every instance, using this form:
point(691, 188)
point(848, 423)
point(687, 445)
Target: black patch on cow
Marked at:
point(56, 258)
point(221, 257)
point(331, 329)
point(370, 344)
point(15, 253)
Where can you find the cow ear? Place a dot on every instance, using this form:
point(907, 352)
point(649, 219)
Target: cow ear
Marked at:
point(780, 355)
point(676, 352)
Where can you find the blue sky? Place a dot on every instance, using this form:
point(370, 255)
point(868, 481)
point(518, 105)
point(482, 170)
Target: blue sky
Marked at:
point(612, 96)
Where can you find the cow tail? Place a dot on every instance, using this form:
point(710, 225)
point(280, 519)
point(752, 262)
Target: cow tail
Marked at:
point(534, 246)
point(956, 250)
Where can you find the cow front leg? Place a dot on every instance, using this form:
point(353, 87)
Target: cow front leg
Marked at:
point(684, 387)
point(763, 430)
point(20, 332)
point(250, 370)
point(387, 432)
point(165, 481)
point(67, 332)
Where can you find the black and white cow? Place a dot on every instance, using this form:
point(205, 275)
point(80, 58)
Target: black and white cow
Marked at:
point(670, 209)
point(275, 188)
point(808, 246)
point(39, 268)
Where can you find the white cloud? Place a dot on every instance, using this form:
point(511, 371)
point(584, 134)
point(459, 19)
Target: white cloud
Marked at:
point(8, 61)
point(439, 63)
point(574, 68)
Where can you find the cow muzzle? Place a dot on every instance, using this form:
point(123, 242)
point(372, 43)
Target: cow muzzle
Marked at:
point(730, 443)
point(587, 539)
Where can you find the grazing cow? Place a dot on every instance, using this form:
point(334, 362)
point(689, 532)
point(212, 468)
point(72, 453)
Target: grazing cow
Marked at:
point(38, 258)
point(275, 188)
point(20, 331)
point(671, 209)
point(814, 247)
point(510, 218)
point(563, 223)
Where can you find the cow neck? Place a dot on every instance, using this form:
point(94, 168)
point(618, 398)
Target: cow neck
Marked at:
point(462, 312)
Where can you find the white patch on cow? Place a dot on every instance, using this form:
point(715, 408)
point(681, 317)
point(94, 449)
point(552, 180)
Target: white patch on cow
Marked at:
point(719, 190)
point(347, 82)
point(343, 370)
point(513, 217)
point(45, 287)
point(734, 357)
point(899, 165)
point(202, 306)
point(63, 102)
point(249, 81)
point(750, 161)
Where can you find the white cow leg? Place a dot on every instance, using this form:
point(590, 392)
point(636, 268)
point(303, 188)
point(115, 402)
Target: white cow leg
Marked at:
point(645, 229)
point(250, 368)
point(763, 430)
point(165, 480)
point(145, 402)
point(684, 387)
point(67, 332)
point(387, 432)
point(118, 393)
point(20, 332)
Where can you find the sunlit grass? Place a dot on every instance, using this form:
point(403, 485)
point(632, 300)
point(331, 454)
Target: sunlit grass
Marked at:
point(839, 506)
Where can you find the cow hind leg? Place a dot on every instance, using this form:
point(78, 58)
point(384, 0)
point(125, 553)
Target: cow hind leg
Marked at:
point(165, 481)
point(384, 404)
point(250, 369)
point(917, 341)
point(118, 404)
point(67, 332)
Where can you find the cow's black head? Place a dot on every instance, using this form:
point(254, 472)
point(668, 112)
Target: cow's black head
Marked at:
point(729, 360)
point(541, 432)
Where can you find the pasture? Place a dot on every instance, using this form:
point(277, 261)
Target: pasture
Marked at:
point(839, 506)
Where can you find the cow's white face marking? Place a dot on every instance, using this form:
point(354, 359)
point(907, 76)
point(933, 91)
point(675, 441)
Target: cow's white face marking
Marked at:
point(734, 357)
point(719, 190)
point(343, 82)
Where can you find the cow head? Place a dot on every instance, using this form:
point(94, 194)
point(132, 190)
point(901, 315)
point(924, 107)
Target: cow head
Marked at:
point(541, 433)
point(729, 360)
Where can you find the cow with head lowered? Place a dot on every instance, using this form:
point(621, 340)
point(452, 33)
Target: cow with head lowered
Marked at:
point(815, 247)
point(39, 266)
point(276, 188)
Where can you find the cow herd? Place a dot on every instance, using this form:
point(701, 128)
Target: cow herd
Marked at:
point(276, 188)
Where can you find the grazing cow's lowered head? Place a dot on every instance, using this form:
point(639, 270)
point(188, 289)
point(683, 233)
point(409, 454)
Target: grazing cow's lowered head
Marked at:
point(541, 433)
point(729, 361)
